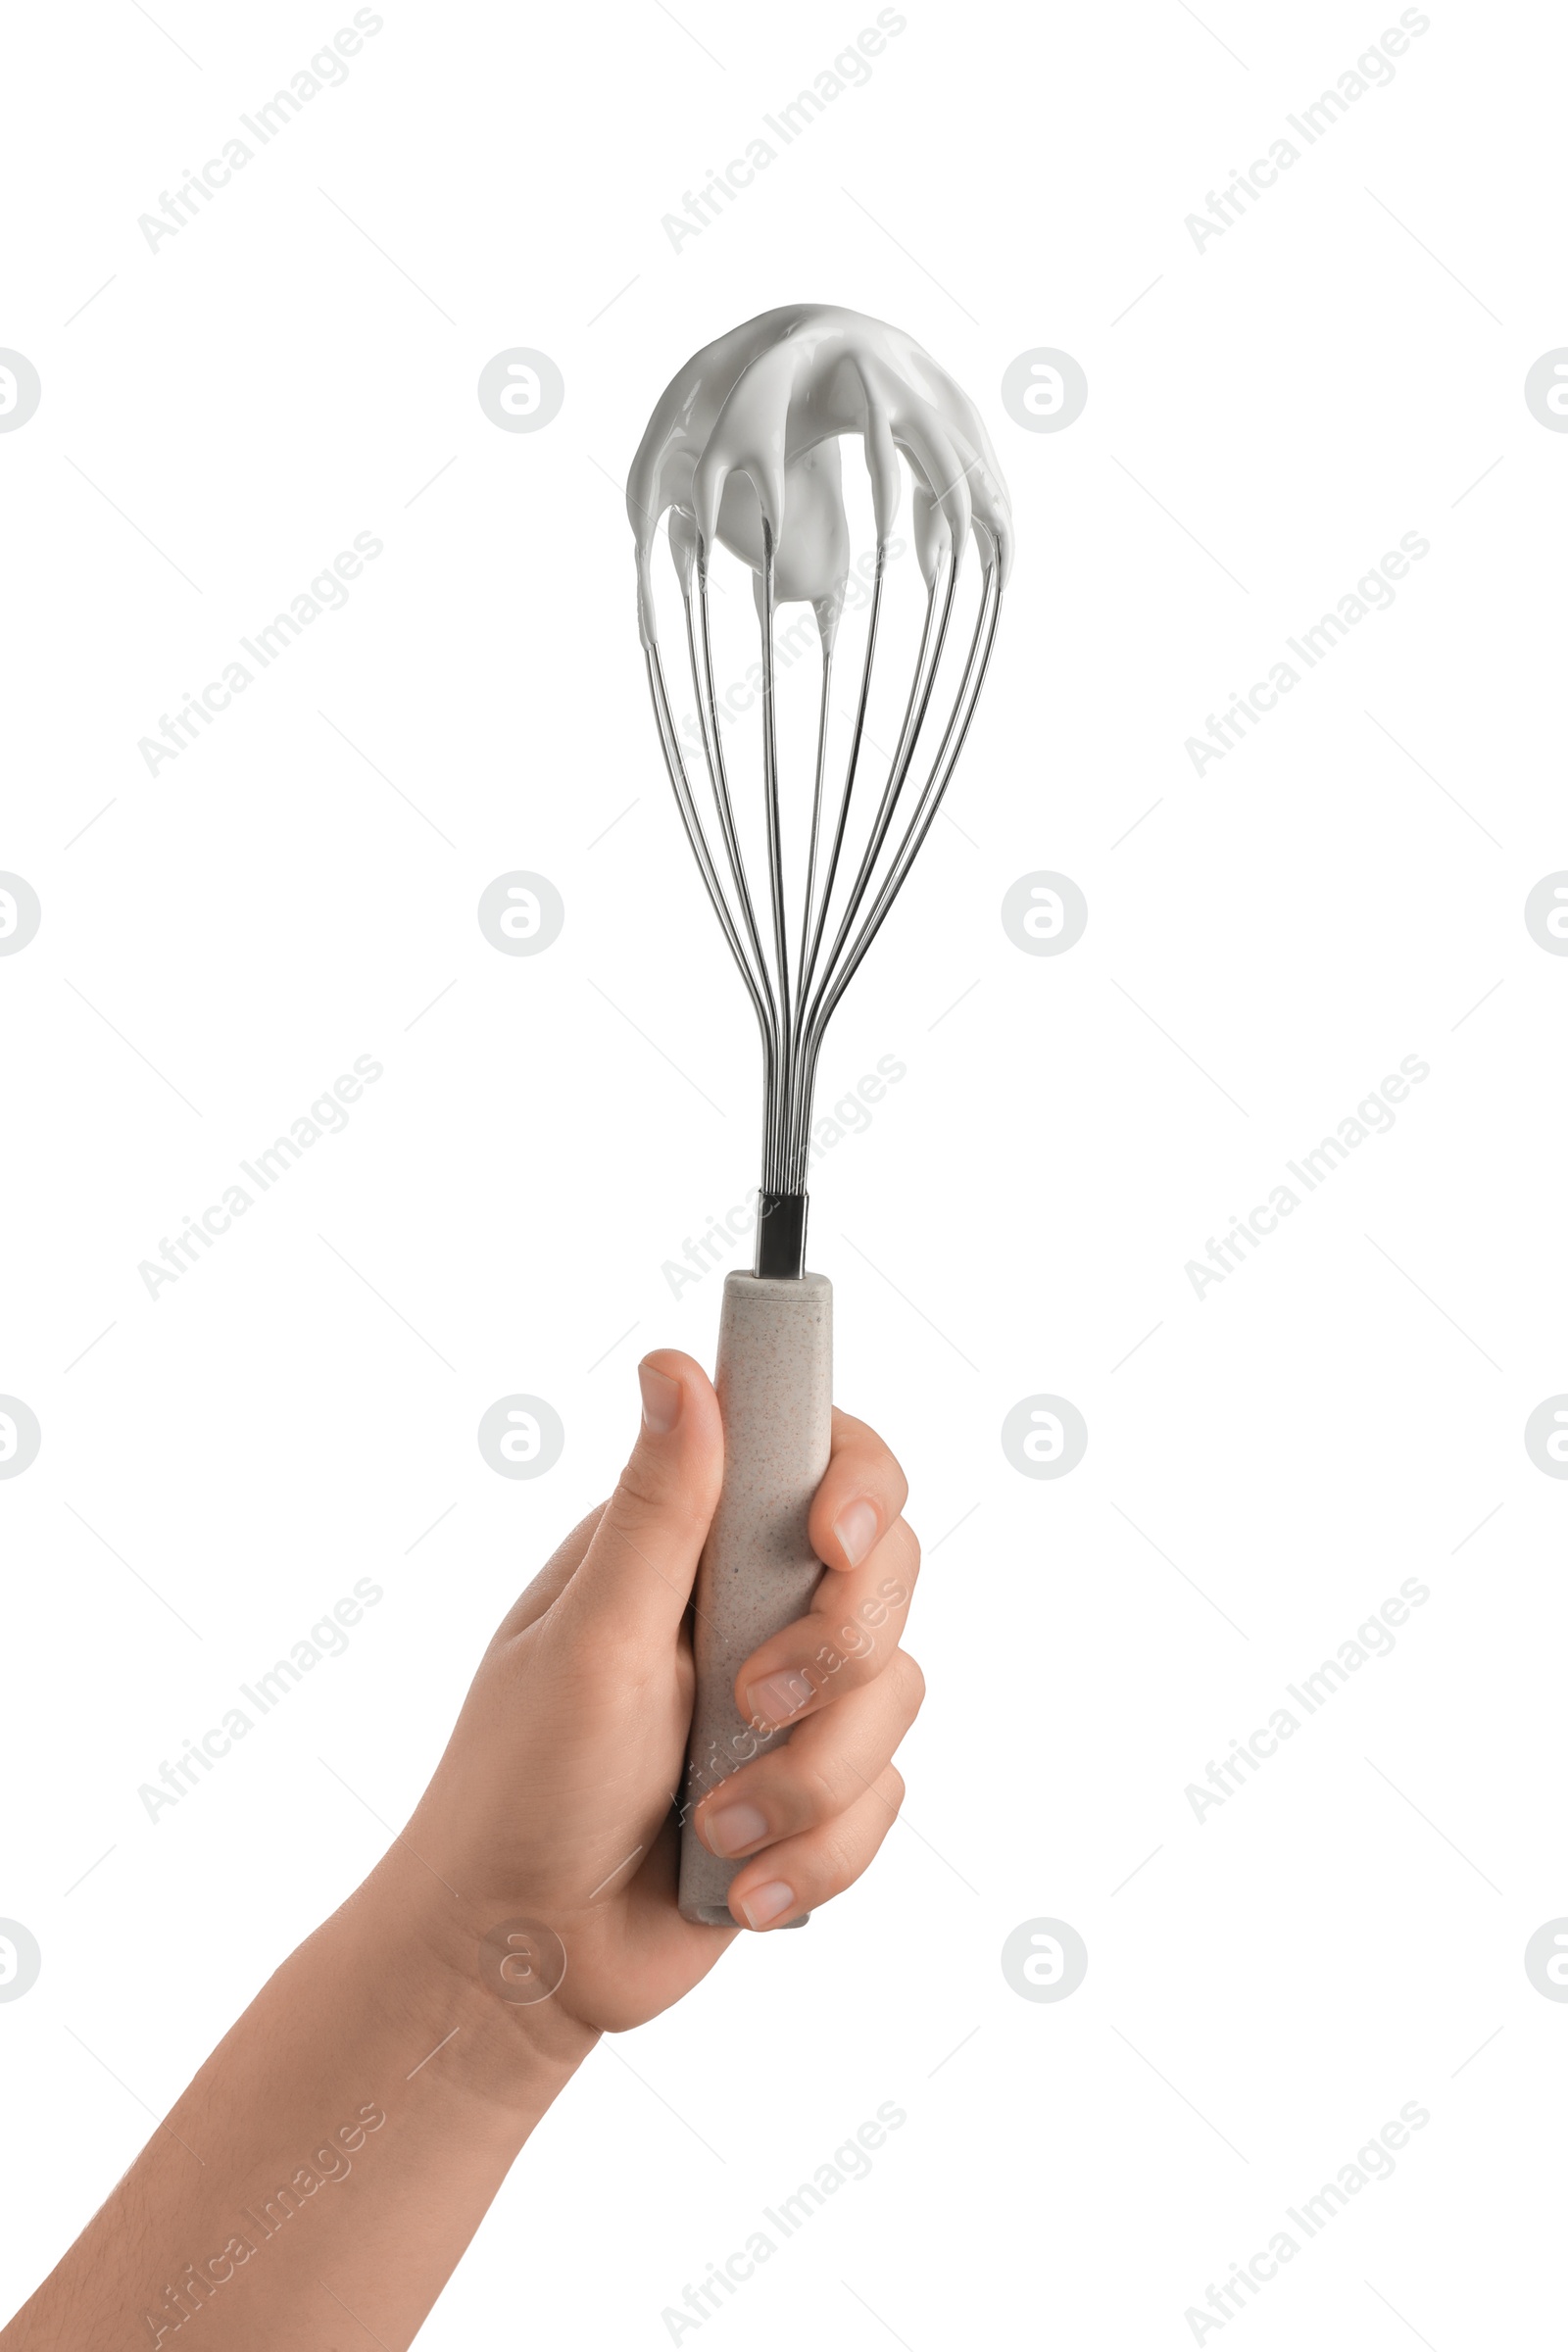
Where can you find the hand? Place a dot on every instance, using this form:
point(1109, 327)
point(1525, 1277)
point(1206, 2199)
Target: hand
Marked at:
point(552, 1801)
point(553, 1804)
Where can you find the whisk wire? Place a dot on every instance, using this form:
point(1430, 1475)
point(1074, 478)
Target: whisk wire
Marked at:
point(718, 781)
point(809, 961)
point(946, 760)
point(793, 1006)
point(775, 842)
point(903, 751)
point(685, 802)
point(813, 840)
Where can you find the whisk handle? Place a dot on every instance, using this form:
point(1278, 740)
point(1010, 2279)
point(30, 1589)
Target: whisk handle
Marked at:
point(758, 1571)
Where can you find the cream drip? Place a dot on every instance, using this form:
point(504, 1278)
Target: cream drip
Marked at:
point(747, 433)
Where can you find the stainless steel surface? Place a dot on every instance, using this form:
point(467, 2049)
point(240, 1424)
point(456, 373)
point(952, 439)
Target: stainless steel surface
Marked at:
point(795, 994)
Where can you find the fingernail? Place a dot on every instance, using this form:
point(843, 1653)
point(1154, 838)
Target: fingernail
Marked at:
point(766, 1903)
point(856, 1530)
point(660, 1400)
point(779, 1697)
point(734, 1827)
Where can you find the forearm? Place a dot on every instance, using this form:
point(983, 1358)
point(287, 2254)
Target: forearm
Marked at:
point(271, 2199)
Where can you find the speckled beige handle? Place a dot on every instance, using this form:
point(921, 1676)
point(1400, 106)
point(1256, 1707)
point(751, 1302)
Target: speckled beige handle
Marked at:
point(758, 1571)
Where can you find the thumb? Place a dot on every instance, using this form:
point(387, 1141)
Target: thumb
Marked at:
point(635, 1578)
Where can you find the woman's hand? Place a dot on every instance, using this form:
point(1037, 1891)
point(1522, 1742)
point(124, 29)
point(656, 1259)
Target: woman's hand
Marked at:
point(553, 1803)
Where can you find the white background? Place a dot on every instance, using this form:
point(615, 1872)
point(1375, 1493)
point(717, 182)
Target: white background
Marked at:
point(1344, 366)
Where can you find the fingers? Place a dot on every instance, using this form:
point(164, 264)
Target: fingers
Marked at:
point(636, 1575)
point(861, 1494)
point(823, 1771)
point(848, 1636)
point(801, 1874)
point(858, 1613)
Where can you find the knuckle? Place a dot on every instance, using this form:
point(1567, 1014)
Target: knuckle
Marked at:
point(641, 1502)
point(636, 1492)
point(908, 1543)
point(912, 1682)
point(849, 1428)
point(839, 1860)
point(833, 1667)
point(859, 1673)
point(855, 1441)
point(817, 1793)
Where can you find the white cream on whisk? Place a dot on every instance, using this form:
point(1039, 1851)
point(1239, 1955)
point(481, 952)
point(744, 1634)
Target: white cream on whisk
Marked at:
point(747, 433)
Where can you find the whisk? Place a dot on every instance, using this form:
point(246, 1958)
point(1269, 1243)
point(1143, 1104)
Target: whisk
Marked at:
point(743, 451)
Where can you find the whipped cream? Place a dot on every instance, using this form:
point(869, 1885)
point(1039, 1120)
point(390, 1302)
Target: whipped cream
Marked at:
point(747, 433)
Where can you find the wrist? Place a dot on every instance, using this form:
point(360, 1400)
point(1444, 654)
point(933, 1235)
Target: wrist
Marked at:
point(503, 2041)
